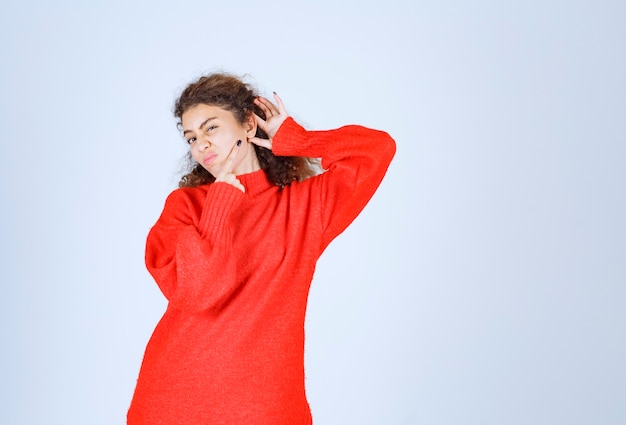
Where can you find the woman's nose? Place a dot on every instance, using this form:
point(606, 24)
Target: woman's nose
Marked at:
point(203, 143)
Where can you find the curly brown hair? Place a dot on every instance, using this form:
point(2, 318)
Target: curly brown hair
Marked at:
point(232, 94)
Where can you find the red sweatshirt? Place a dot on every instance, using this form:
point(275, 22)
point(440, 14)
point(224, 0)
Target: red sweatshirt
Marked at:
point(236, 269)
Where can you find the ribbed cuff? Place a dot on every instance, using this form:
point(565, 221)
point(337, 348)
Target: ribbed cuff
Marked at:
point(221, 199)
point(292, 139)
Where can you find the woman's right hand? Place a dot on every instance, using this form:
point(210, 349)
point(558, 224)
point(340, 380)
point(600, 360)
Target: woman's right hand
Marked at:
point(226, 173)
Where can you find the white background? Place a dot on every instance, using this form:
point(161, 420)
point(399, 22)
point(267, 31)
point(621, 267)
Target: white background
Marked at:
point(484, 284)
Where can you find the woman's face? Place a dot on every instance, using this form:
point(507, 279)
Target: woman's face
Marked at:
point(211, 133)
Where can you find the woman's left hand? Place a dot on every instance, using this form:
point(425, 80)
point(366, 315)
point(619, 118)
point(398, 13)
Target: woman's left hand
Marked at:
point(275, 115)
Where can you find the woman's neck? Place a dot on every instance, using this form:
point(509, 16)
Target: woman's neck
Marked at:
point(250, 162)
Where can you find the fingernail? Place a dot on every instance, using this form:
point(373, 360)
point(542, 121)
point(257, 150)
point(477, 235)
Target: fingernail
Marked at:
point(239, 142)
point(274, 92)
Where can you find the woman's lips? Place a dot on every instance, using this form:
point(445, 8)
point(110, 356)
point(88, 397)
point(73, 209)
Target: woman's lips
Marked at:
point(208, 160)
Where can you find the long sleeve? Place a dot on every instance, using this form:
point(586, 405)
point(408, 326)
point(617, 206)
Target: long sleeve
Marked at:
point(189, 249)
point(355, 159)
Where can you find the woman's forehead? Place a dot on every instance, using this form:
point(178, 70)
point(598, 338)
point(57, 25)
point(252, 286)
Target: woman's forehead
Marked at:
point(197, 115)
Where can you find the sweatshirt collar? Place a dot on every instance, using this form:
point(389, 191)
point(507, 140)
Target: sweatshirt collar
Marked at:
point(255, 182)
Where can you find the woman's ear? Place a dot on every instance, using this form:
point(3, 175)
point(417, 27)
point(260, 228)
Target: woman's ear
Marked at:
point(250, 126)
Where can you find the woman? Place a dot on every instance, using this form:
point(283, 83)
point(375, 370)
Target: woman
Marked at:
point(234, 252)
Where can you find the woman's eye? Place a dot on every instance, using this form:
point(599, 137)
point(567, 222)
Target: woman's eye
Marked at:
point(213, 127)
point(191, 140)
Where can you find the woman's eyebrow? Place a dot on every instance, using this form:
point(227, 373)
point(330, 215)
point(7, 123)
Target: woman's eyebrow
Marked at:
point(204, 123)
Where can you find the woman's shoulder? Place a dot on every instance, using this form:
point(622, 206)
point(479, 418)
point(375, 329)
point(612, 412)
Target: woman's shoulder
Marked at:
point(187, 195)
point(187, 191)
